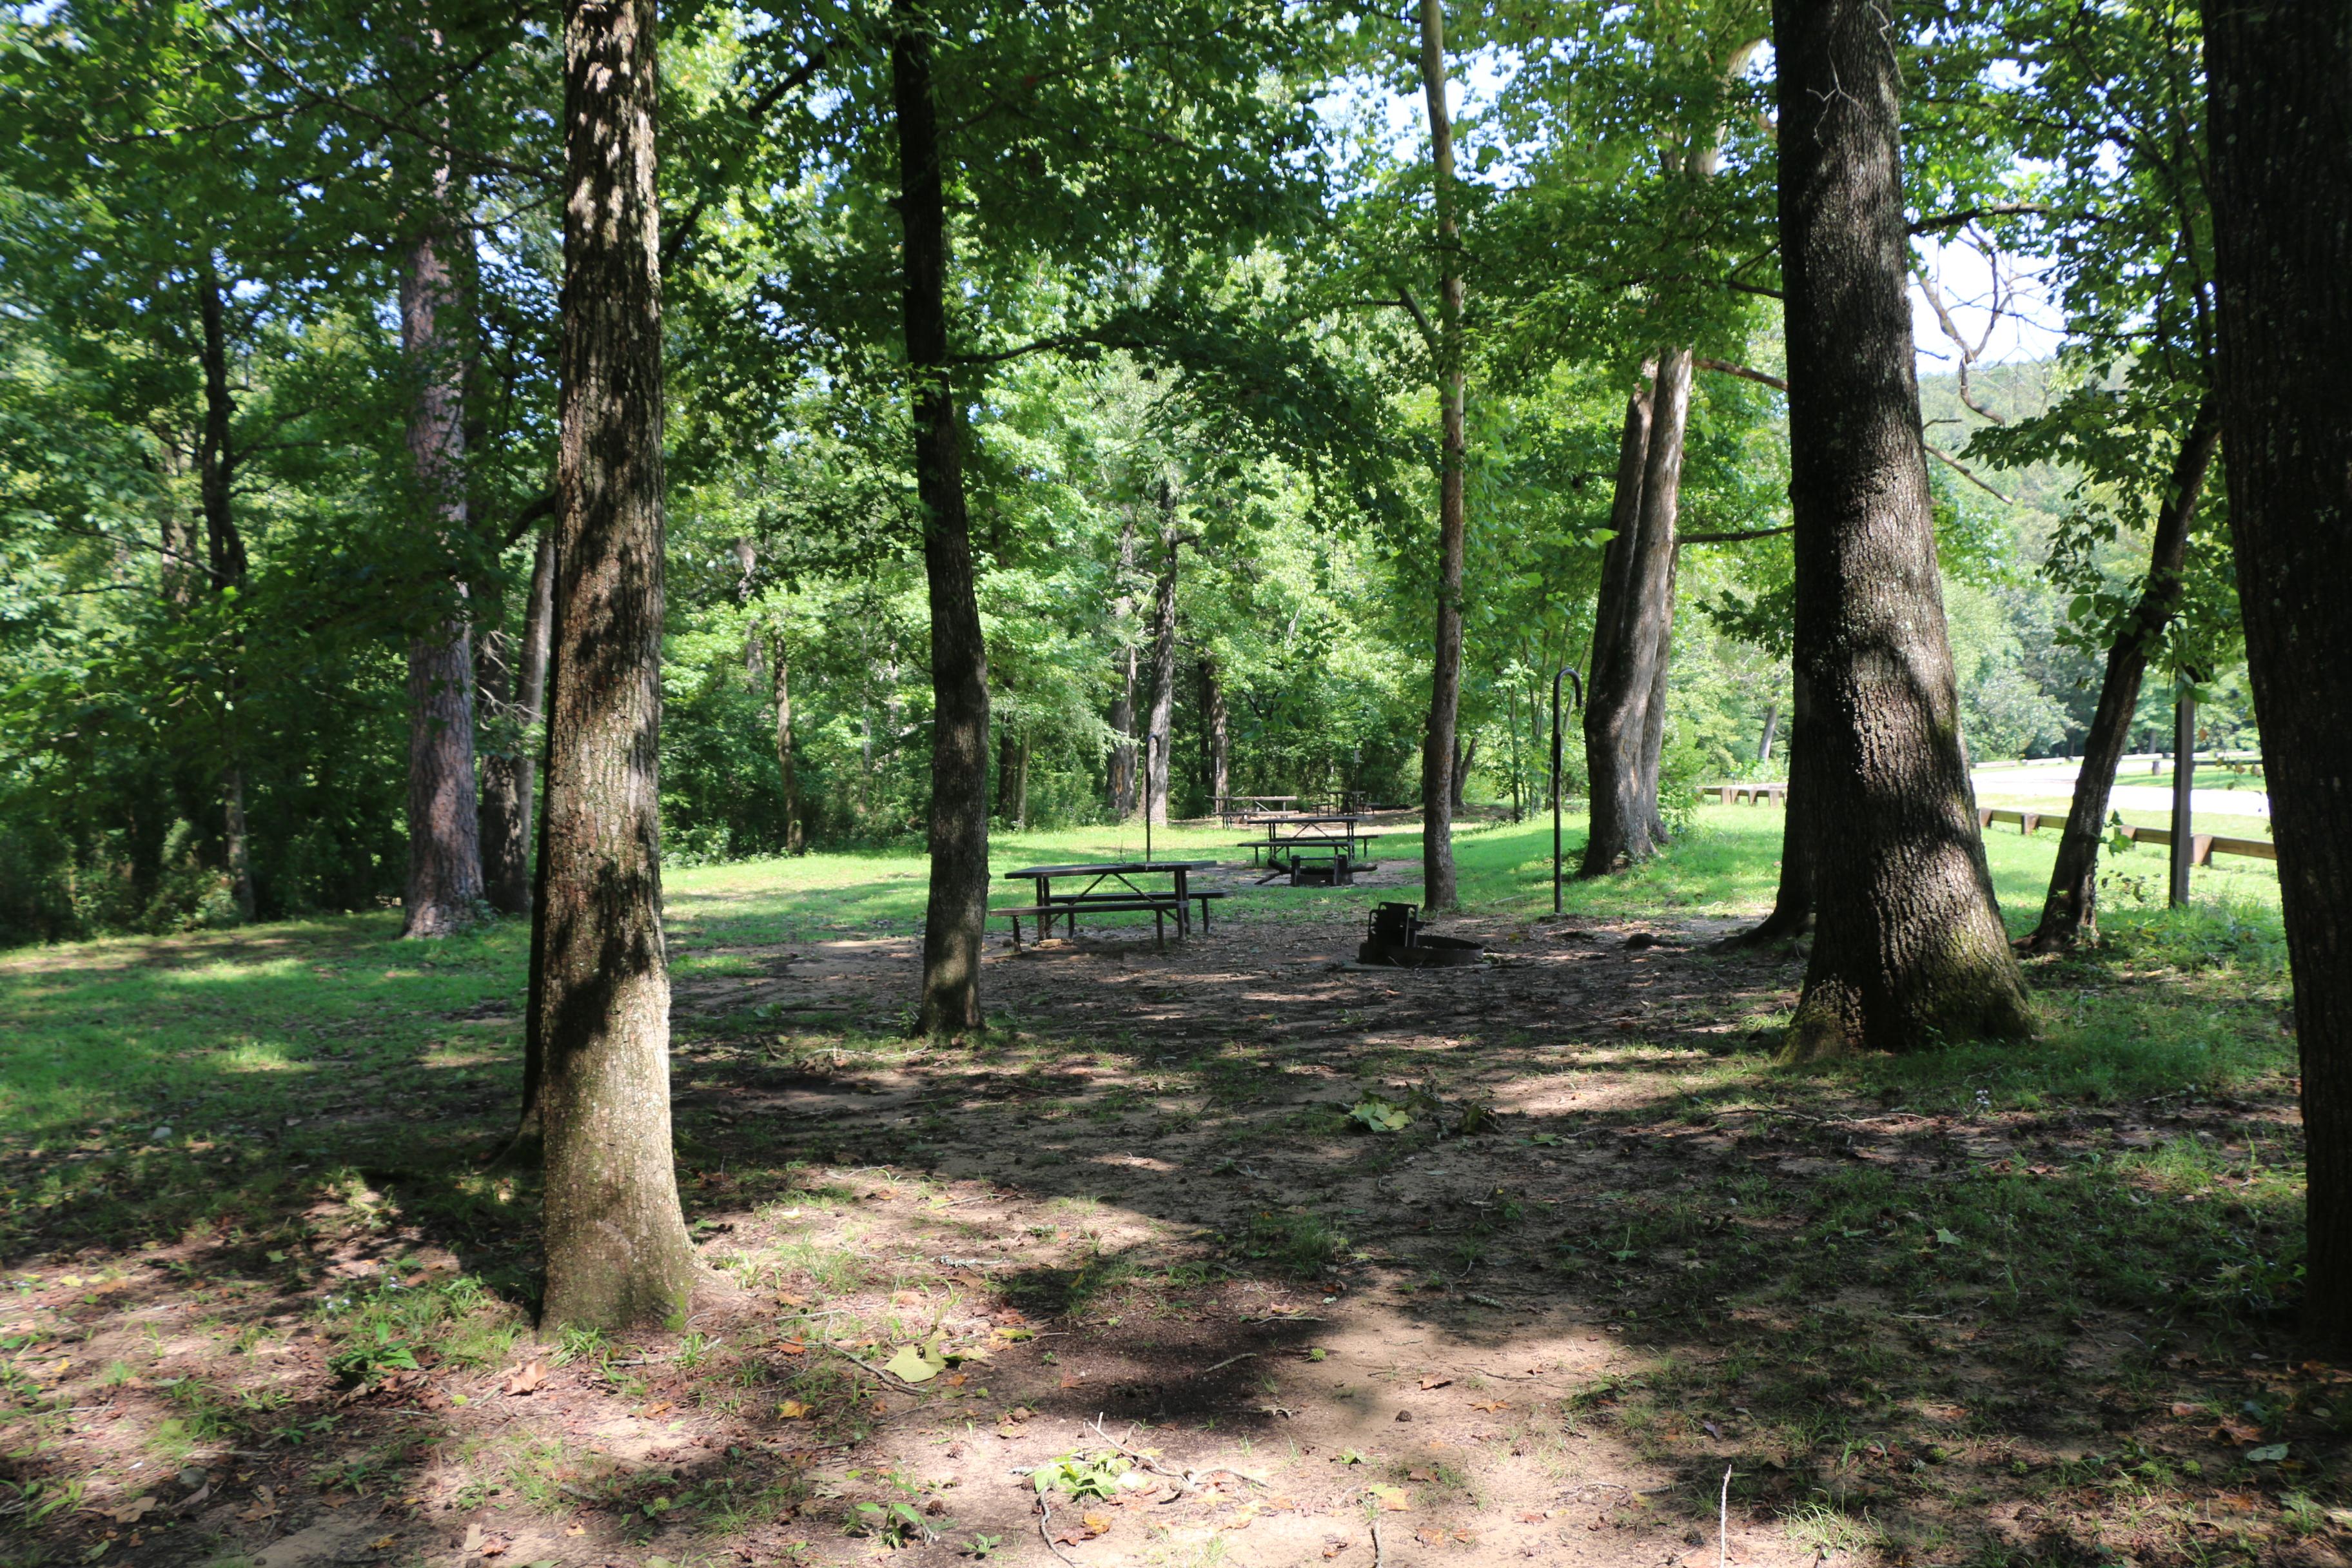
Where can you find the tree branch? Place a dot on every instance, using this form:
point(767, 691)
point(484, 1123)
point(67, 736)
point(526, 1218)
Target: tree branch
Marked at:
point(1725, 367)
point(1968, 216)
point(1738, 536)
point(1962, 469)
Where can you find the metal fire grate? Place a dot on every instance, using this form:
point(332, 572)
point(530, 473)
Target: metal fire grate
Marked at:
point(1397, 936)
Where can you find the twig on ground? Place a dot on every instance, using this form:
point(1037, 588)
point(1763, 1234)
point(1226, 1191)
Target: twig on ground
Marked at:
point(1379, 1554)
point(1046, 1530)
point(1723, 1524)
point(1246, 1355)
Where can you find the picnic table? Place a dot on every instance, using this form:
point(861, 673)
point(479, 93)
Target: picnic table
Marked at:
point(1336, 838)
point(1111, 887)
point(1235, 809)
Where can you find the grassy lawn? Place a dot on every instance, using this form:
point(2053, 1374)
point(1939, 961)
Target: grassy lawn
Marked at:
point(1982, 1305)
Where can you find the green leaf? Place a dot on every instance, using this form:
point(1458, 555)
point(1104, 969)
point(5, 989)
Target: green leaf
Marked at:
point(914, 1364)
point(1380, 1116)
point(1945, 1238)
point(2268, 1454)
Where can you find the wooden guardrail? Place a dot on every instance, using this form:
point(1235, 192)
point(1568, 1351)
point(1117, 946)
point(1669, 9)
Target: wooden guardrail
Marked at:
point(2203, 846)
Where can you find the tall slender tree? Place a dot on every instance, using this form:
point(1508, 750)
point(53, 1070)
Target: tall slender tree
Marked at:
point(1438, 888)
point(617, 1252)
point(2279, 89)
point(445, 848)
point(1908, 946)
point(958, 906)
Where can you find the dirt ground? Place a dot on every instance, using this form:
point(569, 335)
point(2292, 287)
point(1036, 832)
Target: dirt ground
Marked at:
point(1577, 1309)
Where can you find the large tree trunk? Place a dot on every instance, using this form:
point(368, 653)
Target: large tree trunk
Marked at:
point(510, 772)
point(1792, 906)
point(1654, 712)
point(1217, 725)
point(2280, 130)
point(787, 764)
point(1626, 658)
point(225, 562)
point(617, 1253)
point(1122, 705)
point(444, 847)
point(2070, 911)
point(958, 909)
point(1159, 733)
point(1438, 791)
point(1908, 947)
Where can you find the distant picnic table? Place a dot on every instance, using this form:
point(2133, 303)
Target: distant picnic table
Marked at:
point(1332, 842)
point(1111, 887)
point(1238, 809)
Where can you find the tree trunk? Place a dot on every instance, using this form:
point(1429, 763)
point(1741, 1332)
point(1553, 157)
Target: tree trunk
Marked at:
point(1911, 950)
point(1218, 726)
point(2280, 88)
point(1654, 712)
point(1465, 757)
point(2070, 911)
point(1625, 668)
point(780, 657)
point(1792, 906)
point(617, 1253)
point(1438, 790)
point(1123, 705)
point(1771, 729)
point(1160, 733)
point(225, 559)
point(958, 909)
point(510, 772)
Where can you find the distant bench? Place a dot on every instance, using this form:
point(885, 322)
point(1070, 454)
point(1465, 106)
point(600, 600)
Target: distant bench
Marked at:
point(1753, 793)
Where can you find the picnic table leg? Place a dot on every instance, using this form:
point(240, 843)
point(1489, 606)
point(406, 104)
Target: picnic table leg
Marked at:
point(1183, 915)
point(1160, 925)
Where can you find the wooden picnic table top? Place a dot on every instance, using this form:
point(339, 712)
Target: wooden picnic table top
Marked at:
point(1106, 869)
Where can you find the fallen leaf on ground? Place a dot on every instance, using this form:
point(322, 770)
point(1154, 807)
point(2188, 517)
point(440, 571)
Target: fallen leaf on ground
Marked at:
point(914, 1364)
point(1419, 1475)
point(528, 1379)
point(792, 1347)
point(1430, 1535)
point(1428, 1382)
point(131, 1511)
point(792, 1409)
point(1390, 1499)
point(1490, 1406)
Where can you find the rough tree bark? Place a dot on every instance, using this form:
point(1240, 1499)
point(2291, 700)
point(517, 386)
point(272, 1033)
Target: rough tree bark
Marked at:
point(225, 562)
point(510, 772)
point(2279, 85)
point(1654, 712)
point(617, 1253)
point(958, 909)
point(1626, 658)
point(2071, 911)
point(1160, 730)
point(445, 847)
point(1910, 948)
point(1771, 731)
point(1123, 705)
point(1438, 888)
point(1465, 757)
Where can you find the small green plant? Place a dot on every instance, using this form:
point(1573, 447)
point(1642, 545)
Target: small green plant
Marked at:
point(1082, 1476)
point(893, 1524)
point(1379, 1116)
point(983, 1546)
point(368, 1358)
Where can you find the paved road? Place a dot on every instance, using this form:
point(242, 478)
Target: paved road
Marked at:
point(2026, 780)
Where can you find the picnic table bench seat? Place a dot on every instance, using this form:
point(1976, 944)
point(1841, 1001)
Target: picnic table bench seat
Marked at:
point(1159, 905)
